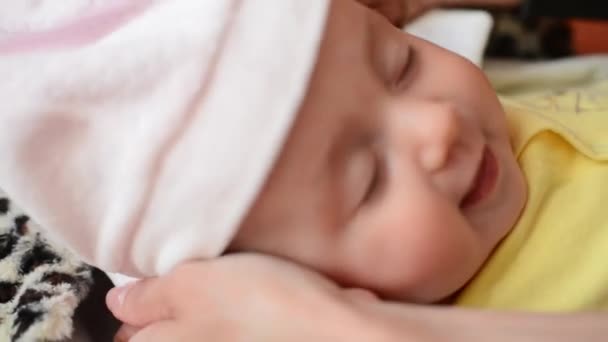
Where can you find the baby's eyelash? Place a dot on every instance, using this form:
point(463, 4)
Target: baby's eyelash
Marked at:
point(405, 66)
point(374, 182)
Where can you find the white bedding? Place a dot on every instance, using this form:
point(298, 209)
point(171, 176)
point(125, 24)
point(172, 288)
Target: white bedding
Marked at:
point(466, 32)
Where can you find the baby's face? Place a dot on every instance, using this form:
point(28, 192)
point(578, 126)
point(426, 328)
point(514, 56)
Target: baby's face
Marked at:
point(398, 175)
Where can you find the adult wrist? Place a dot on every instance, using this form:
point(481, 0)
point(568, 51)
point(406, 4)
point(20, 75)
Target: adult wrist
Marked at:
point(381, 321)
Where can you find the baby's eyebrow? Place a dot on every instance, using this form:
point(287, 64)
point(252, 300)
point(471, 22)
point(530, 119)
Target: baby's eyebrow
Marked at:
point(369, 44)
point(375, 44)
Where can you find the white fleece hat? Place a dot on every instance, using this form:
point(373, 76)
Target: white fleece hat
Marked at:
point(258, 79)
point(140, 133)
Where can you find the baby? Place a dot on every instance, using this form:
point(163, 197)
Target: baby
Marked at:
point(398, 174)
point(374, 157)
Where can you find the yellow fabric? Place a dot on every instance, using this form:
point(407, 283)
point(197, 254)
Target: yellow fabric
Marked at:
point(556, 258)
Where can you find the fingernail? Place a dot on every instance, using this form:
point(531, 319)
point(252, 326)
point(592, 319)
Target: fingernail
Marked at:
point(120, 337)
point(116, 296)
point(125, 333)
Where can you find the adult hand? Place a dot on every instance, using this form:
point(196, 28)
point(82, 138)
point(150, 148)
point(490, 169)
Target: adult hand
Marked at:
point(260, 298)
point(242, 298)
point(396, 11)
point(400, 12)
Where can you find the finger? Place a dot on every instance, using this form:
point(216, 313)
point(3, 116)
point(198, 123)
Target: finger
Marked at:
point(393, 10)
point(142, 302)
point(161, 332)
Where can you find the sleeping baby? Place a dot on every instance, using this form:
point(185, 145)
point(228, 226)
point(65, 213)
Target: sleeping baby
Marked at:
point(367, 154)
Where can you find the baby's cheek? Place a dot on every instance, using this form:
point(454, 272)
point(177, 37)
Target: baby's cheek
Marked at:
point(384, 255)
point(419, 255)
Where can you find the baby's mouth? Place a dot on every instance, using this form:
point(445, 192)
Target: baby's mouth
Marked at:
point(484, 181)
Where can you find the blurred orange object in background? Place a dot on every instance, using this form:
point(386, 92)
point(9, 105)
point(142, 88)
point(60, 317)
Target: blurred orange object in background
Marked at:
point(589, 36)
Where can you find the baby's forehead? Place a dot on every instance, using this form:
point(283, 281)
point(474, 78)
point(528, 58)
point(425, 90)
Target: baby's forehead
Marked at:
point(342, 108)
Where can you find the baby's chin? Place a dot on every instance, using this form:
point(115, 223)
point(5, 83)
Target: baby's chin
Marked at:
point(449, 297)
point(443, 289)
point(439, 298)
point(428, 299)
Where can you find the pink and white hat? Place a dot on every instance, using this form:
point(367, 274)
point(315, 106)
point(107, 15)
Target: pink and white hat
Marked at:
point(141, 132)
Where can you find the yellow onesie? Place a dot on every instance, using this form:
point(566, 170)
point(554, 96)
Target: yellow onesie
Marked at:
point(556, 257)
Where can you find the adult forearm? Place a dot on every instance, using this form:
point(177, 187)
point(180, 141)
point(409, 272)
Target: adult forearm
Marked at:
point(455, 325)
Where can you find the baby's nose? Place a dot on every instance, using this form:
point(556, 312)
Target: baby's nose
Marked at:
point(433, 130)
point(440, 131)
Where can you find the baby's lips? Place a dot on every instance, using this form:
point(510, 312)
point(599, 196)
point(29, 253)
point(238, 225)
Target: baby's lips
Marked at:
point(484, 180)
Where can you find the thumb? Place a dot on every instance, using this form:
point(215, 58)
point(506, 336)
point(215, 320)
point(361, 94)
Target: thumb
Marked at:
point(142, 302)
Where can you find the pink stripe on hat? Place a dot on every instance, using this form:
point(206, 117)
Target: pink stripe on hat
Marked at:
point(85, 29)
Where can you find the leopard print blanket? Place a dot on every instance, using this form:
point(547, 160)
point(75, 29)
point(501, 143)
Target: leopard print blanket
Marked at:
point(41, 284)
point(529, 38)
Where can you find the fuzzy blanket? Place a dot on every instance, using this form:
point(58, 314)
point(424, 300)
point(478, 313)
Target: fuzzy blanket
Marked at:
point(41, 284)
